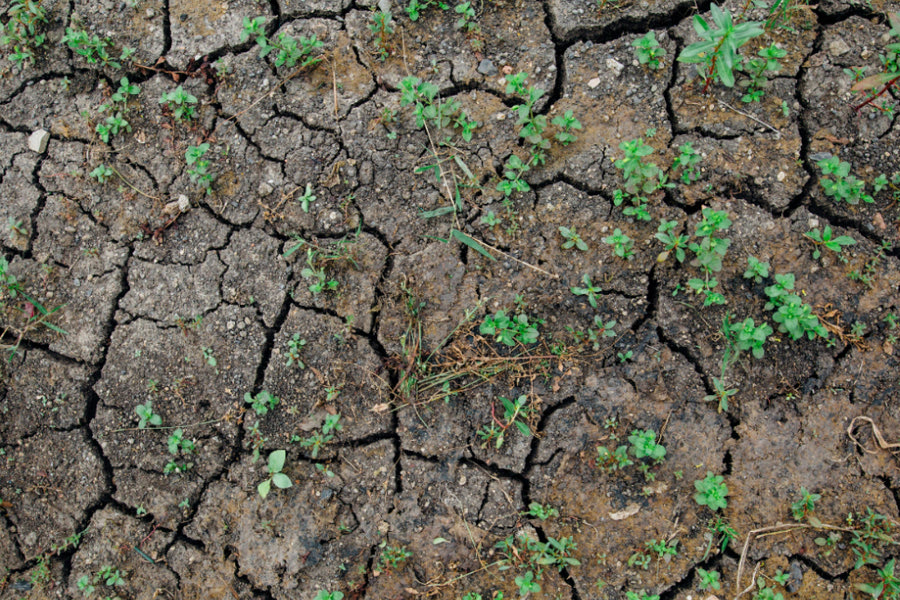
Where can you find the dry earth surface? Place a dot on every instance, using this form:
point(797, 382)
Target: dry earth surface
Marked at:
point(460, 466)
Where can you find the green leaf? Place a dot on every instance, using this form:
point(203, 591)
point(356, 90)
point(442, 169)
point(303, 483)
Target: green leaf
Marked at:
point(471, 243)
point(263, 488)
point(281, 480)
point(276, 461)
point(438, 212)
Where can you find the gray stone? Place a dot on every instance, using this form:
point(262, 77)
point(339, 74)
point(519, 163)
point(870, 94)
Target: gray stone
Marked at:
point(486, 67)
point(37, 141)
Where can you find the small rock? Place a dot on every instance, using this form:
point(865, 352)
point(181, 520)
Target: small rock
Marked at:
point(781, 176)
point(37, 141)
point(264, 189)
point(838, 47)
point(486, 67)
point(614, 66)
point(594, 82)
point(184, 204)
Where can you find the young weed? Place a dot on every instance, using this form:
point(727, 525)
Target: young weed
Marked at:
point(844, 187)
point(180, 104)
point(319, 439)
point(274, 466)
point(711, 491)
point(648, 50)
point(146, 416)
point(24, 19)
point(621, 243)
point(262, 402)
point(198, 167)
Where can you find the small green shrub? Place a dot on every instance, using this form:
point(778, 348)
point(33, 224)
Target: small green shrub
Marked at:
point(648, 50)
point(274, 466)
point(711, 491)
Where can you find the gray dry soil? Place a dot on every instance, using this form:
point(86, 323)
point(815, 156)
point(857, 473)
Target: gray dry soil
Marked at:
point(149, 293)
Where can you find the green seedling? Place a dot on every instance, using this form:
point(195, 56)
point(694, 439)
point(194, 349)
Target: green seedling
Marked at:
point(827, 239)
point(795, 318)
point(93, 48)
point(878, 85)
point(146, 416)
point(756, 69)
point(717, 53)
point(262, 402)
point(536, 510)
point(721, 395)
point(887, 587)
point(566, 123)
point(274, 466)
point(318, 439)
point(415, 8)
point(102, 173)
point(708, 580)
point(664, 550)
point(756, 269)
point(24, 18)
point(326, 595)
point(106, 575)
point(392, 557)
point(288, 51)
point(307, 198)
point(180, 103)
point(711, 491)
point(640, 177)
point(527, 584)
point(610, 461)
point(764, 592)
point(709, 252)
point(515, 412)
point(642, 595)
point(199, 167)
point(844, 187)
point(643, 445)
point(573, 240)
point(805, 505)
point(589, 290)
point(490, 219)
point(316, 272)
point(177, 443)
point(466, 21)
point(648, 50)
point(747, 335)
point(509, 330)
point(295, 346)
point(687, 160)
point(382, 26)
point(674, 242)
point(621, 243)
point(513, 172)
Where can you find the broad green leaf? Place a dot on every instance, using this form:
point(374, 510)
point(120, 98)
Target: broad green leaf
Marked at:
point(276, 461)
point(281, 480)
point(263, 488)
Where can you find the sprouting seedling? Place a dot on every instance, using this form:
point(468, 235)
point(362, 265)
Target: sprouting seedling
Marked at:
point(147, 416)
point(180, 103)
point(711, 491)
point(295, 346)
point(828, 240)
point(307, 198)
point(648, 50)
point(274, 466)
point(621, 244)
point(566, 123)
point(589, 290)
point(757, 270)
point(717, 51)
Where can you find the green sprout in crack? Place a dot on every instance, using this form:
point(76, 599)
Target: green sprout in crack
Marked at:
point(319, 439)
point(711, 491)
point(589, 290)
point(262, 402)
point(648, 50)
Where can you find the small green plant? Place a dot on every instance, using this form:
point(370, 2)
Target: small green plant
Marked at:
point(844, 187)
point(795, 318)
point(642, 595)
point(318, 439)
point(566, 123)
point(466, 21)
point(146, 416)
point(509, 330)
point(515, 412)
point(887, 587)
point(747, 335)
point(536, 510)
point(708, 580)
point(648, 50)
point(687, 160)
point(610, 461)
point(382, 26)
point(527, 584)
point(805, 505)
point(621, 243)
point(756, 269)
point(589, 290)
point(107, 575)
point(513, 172)
point(199, 167)
point(177, 443)
point(415, 8)
point(881, 83)
point(307, 198)
point(664, 550)
point(643, 445)
point(326, 595)
point(717, 53)
point(24, 18)
point(674, 242)
point(710, 251)
point(490, 219)
point(274, 466)
point(573, 240)
point(711, 491)
point(316, 272)
point(641, 178)
point(102, 173)
point(93, 48)
point(180, 103)
point(392, 557)
point(295, 346)
point(756, 69)
point(827, 239)
point(288, 51)
point(262, 402)
point(721, 393)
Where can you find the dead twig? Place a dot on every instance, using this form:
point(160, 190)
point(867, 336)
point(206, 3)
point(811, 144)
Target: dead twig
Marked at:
point(751, 117)
point(876, 433)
